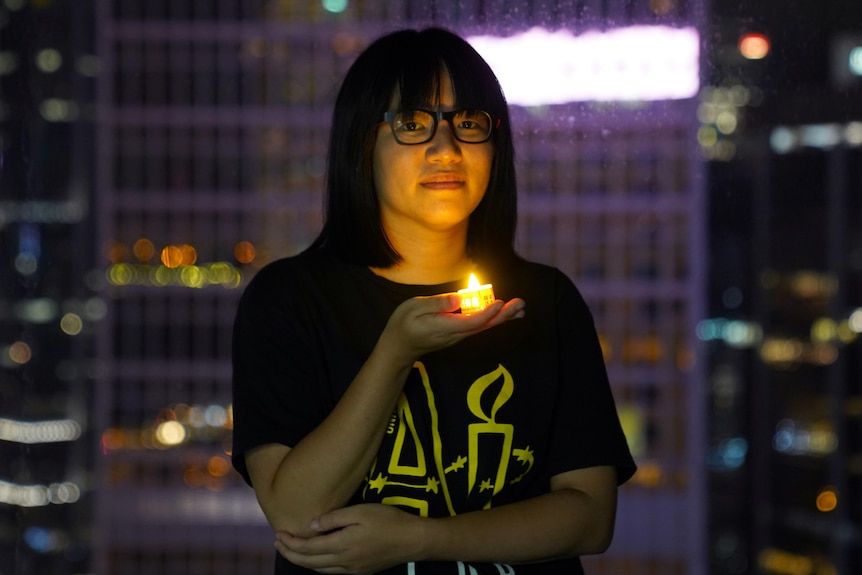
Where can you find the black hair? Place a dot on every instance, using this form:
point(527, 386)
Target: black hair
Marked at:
point(411, 62)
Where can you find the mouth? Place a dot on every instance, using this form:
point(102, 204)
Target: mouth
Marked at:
point(443, 180)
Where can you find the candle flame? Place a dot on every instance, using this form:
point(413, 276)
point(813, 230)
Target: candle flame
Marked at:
point(473, 283)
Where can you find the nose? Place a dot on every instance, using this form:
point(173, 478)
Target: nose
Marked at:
point(443, 146)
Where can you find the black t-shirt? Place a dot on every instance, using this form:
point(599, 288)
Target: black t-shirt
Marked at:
point(483, 423)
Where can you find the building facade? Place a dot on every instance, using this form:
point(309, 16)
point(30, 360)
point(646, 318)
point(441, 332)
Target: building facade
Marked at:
point(784, 354)
point(49, 299)
point(784, 316)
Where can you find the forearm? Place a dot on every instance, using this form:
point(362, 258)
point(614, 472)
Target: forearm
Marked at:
point(326, 467)
point(562, 523)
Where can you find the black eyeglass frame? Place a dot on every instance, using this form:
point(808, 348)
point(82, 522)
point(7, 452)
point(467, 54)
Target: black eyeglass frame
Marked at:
point(438, 116)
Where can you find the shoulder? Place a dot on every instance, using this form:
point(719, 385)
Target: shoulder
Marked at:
point(292, 280)
point(541, 279)
point(292, 271)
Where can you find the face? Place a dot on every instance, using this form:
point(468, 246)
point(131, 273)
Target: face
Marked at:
point(430, 186)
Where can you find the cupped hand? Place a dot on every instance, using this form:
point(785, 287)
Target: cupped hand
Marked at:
point(363, 538)
point(421, 325)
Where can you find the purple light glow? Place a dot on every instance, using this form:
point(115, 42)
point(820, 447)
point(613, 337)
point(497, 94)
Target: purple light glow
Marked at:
point(638, 63)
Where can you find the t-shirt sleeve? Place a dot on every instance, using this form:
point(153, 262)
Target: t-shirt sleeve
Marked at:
point(587, 428)
point(276, 391)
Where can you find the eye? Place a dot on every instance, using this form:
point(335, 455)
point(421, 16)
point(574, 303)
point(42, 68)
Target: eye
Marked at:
point(470, 120)
point(408, 122)
point(409, 126)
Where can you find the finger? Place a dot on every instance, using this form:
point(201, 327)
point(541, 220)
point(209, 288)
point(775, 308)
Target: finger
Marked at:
point(481, 317)
point(332, 520)
point(304, 553)
point(455, 326)
point(513, 309)
point(287, 542)
point(313, 546)
point(318, 563)
point(441, 303)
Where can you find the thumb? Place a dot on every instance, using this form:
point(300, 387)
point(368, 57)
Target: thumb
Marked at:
point(332, 520)
point(446, 302)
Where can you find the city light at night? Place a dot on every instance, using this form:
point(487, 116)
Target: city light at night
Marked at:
point(639, 63)
point(854, 61)
point(798, 438)
point(221, 274)
point(786, 139)
point(39, 495)
point(32, 432)
point(754, 46)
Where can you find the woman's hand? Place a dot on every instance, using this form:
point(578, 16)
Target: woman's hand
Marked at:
point(361, 538)
point(575, 518)
point(421, 325)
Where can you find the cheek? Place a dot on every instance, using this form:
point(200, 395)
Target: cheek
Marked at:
point(487, 162)
point(380, 166)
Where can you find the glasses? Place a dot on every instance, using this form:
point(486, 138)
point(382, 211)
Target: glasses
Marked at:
point(419, 126)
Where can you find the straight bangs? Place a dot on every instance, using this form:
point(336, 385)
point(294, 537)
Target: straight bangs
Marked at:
point(419, 81)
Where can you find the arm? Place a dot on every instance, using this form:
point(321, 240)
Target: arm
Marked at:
point(321, 473)
point(575, 518)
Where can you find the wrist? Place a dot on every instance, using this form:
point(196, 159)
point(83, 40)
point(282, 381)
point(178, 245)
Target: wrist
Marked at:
point(432, 540)
point(393, 350)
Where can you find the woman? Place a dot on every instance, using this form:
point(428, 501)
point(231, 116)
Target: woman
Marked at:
point(380, 428)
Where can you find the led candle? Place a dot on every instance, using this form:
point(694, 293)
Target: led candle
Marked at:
point(476, 297)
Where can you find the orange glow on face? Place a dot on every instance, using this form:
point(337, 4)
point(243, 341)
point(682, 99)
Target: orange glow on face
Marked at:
point(754, 46)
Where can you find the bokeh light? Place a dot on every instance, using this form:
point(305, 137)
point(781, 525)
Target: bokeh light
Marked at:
point(754, 46)
point(827, 500)
point(71, 324)
point(20, 353)
point(49, 60)
point(144, 250)
point(170, 433)
point(334, 6)
point(244, 252)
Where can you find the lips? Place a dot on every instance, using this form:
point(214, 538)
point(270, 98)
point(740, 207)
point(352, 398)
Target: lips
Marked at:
point(443, 180)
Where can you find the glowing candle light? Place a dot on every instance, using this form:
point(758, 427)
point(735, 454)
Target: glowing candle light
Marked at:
point(476, 297)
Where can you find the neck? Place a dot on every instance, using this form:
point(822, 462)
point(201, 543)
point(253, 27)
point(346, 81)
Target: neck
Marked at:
point(429, 260)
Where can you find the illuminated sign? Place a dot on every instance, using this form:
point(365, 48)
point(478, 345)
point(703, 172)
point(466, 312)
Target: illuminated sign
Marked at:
point(638, 63)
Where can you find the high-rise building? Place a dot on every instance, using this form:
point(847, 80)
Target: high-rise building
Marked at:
point(211, 142)
point(785, 315)
point(785, 368)
point(49, 304)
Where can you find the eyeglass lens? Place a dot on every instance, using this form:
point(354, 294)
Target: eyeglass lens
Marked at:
point(419, 126)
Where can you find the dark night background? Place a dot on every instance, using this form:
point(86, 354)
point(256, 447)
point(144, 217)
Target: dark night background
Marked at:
point(755, 456)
